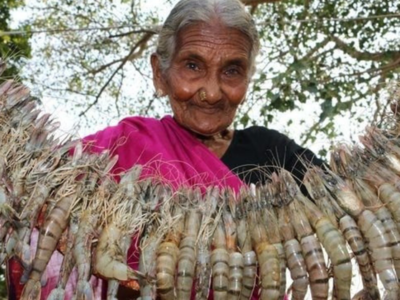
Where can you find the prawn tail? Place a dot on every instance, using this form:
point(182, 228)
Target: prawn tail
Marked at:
point(43, 279)
point(25, 275)
point(25, 256)
point(57, 294)
point(3, 257)
point(112, 289)
point(26, 261)
point(32, 290)
point(137, 275)
point(84, 290)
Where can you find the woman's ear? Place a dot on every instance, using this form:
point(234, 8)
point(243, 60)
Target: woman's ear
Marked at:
point(158, 79)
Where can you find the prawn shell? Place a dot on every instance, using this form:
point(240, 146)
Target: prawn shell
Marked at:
point(349, 202)
point(203, 272)
point(391, 197)
point(108, 260)
point(167, 256)
point(269, 271)
point(385, 217)
point(380, 252)
point(335, 246)
point(186, 266)
point(32, 290)
point(148, 266)
point(316, 267)
point(354, 237)
point(297, 267)
point(220, 272)
point(50, 234)
point(282, 262)
point(236, 265)
point(249, 274)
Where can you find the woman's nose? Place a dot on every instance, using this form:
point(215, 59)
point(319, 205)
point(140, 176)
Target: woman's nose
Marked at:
point(213, 90)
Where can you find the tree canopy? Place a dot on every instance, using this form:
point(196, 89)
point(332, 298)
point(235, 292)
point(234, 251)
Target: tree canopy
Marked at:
point(12, 47)
point(329, 58)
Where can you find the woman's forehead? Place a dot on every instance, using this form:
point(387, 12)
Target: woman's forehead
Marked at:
point(202, 37)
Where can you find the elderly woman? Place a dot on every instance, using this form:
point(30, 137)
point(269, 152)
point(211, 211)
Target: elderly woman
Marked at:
point(203, 64)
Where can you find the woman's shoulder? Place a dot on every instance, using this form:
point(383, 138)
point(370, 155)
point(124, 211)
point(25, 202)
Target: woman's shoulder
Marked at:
point(264, 135)
point(256, 129)
point(139, 121)
point(127, 124)
point(110, 136)
point(276, 148)
point(271, 142)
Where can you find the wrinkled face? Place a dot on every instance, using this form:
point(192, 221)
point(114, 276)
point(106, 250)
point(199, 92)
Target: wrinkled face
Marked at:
point(209, 58)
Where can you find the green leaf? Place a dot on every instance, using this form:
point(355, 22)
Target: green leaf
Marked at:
point(311, 87)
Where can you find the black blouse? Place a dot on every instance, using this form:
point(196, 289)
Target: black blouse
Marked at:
point(256, 152)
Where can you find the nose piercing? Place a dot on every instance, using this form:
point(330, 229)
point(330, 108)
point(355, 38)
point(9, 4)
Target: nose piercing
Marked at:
point(159, 93)
point(203, 95)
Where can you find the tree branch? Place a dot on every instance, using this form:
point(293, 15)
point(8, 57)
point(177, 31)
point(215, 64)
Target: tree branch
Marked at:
point(140, 71)
point(118, 95)
point(322, 54)
point(153, 30)
point(52, 88)
point(359, 55)
point(141, 44)
point(314, 128)
point(388, 67)
point(315, 49)
point(105, 66)
point(379, 114)
point(317, 125)
point(149, 106)
point(304, 15)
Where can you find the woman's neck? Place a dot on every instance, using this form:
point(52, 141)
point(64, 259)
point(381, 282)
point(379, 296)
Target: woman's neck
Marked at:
point(217, 143)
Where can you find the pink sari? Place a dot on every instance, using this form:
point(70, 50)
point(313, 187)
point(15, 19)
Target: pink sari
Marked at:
point(169, 154)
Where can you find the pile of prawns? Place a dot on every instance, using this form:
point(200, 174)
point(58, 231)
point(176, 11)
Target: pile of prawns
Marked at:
point(196, 242)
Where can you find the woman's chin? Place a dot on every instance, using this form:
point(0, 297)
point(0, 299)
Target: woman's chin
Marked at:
point(203, 126)
point(205, 131)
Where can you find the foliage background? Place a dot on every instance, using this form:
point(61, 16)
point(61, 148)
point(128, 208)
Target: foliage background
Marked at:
point(322, 65)
point(16, 49)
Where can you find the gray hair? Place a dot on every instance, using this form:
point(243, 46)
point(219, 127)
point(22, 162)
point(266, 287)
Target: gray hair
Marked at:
point(230, 13)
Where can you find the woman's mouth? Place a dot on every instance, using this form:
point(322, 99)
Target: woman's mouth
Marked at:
point(209, 109)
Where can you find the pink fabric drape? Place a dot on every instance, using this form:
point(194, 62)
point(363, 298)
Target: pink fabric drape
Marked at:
point(168, 152)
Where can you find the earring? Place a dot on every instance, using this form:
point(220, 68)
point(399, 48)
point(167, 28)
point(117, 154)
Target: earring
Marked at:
point(203, 95)
point(159, 93)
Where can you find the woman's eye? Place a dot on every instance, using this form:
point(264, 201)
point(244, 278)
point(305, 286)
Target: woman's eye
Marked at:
point(232, 71)
point(192, 66)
